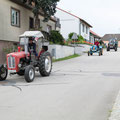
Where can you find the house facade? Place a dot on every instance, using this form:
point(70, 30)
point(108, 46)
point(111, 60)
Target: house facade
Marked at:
point(72, 23)
point(107, 37)
point(94, 37)
point(15, 19)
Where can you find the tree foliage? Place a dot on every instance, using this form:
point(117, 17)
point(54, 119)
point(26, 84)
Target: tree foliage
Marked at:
point(56, 37)
point(80, 38)
point(70, 35)
point(47, 7)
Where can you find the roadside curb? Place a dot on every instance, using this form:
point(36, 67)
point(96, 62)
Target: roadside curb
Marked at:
point(115, 114)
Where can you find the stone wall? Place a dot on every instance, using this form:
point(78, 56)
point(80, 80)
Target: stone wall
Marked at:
point(4, 45)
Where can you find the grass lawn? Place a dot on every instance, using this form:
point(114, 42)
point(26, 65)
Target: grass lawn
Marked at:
point(66, 58)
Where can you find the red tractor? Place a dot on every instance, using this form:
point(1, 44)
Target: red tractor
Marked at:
point(28, 60)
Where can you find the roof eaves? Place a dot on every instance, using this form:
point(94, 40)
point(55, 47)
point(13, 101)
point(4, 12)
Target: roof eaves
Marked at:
point(86, 23)
point(95, 34)
point(74, 16)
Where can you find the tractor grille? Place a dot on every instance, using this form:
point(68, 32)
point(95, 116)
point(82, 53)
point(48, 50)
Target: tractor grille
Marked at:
point(11, 62)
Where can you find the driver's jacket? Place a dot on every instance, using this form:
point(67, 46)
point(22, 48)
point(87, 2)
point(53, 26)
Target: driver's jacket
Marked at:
point(32, 48)
point(97, 43)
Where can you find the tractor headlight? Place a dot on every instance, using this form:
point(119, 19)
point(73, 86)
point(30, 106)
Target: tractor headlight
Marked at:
point(19, 65)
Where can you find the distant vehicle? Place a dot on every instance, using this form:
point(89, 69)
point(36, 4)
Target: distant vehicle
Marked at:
point(113, 44)
point(26, 61)
point(95, 49)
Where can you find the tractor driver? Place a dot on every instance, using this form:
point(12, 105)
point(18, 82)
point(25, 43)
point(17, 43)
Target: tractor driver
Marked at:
point(32, 46)
point(97, 44)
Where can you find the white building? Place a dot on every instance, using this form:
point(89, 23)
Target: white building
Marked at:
point(72, 23)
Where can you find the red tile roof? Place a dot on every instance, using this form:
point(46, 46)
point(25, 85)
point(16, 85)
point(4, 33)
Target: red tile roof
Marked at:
point(94, 33)
point(74, 16)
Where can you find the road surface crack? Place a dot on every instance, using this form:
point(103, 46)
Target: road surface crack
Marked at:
point(17, 87)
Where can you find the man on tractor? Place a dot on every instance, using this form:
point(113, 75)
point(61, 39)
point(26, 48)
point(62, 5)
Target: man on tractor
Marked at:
point(32, 46)
point(23, 62)
point(97, 44)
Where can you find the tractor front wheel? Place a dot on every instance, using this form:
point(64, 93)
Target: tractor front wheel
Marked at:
point(45, 64)
point(100, 53)
point(29, 73)
point(91, 54)
point(3, 73)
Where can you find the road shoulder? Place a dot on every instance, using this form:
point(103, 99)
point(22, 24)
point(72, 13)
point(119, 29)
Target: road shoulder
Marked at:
point(115, 114)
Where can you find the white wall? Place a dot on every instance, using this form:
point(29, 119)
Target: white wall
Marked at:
point(92, 39)
point(68, 23)
point(84, 34)
point(59, 51)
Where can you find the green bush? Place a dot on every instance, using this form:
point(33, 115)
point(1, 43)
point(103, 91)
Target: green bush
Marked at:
point(70, 35)
point(80, 38)
point(56, 37)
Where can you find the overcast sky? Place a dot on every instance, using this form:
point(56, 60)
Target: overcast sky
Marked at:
point(103, 15)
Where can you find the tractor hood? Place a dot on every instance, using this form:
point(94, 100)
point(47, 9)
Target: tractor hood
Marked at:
point(17, 54)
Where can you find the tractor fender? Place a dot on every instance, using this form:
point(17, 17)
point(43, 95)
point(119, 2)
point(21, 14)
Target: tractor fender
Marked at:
point(1, 66)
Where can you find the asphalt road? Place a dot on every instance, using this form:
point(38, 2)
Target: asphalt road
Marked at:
point(82, 88)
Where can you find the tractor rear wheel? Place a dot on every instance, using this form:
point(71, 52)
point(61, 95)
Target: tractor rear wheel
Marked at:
point(88, 53)
point(45, 64)
point(115, 48)
point(108, 49)
point(29, 73)
point(3, 73)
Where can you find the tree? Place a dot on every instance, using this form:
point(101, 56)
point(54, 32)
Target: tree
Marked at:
point(70, 35)
point(56, 37)
point(47, 7)
point(80, 38)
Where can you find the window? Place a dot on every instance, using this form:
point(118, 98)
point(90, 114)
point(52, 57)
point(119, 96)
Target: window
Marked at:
point(83, 27)
point(86, 30)
point(49, 28)
point(15, 17)
point(31, 23)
